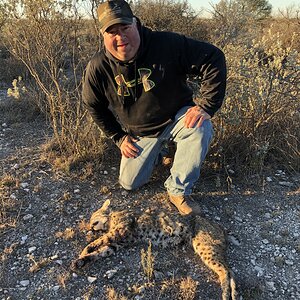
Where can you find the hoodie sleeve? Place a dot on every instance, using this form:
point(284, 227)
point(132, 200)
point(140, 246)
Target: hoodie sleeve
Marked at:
point(208, 62)
point(98, 106)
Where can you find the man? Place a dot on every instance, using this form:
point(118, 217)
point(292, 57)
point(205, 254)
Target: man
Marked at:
point(136, 91)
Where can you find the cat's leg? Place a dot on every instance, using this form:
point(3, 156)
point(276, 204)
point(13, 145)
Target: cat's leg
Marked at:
point(101, 247)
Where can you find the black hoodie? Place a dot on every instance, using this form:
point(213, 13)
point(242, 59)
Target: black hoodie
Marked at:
point(141, 97)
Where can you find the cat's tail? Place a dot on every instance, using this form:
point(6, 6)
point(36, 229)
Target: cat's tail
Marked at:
point(216, 262)
point(228, 285)
point(231, 289)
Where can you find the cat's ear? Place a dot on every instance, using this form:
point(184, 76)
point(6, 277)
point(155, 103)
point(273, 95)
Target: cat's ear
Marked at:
point(105, 205)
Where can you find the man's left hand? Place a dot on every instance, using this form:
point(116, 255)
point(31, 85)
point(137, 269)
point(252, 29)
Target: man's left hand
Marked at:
point(195, 116)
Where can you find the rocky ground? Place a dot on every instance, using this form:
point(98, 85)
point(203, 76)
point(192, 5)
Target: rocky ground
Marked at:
point(43, 228)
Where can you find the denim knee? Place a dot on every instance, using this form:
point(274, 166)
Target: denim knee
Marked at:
point(132, 185)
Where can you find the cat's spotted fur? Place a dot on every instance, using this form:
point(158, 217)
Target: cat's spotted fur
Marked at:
point(123, 228)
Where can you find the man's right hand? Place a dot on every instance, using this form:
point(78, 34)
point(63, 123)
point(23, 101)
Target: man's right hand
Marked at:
point(127, 147)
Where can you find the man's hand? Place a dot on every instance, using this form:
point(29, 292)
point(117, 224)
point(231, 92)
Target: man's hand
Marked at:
point(195, 116)
point(127, 147)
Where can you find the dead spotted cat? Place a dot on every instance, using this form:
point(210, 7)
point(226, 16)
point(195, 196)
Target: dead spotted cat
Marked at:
point(124, 228)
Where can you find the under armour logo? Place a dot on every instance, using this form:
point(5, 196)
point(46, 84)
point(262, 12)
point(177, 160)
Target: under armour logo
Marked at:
point(123, 85)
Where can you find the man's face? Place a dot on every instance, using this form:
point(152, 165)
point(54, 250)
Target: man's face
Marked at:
point(122, 41)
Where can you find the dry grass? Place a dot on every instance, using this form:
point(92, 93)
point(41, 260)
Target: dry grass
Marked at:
point(258, 125)
point(19, 110)
point(9, 207)
point(63, 278)
point(111, 294)
point(83, 160)
point(38, 265)
point(89, 293)
point(67, 234)
point(147, 261)
point(188, 288)
point(7, 252)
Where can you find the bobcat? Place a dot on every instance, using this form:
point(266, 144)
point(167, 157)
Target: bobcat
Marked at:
point(124, 228)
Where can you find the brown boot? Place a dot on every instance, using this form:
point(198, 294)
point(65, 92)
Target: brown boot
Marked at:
point(185, 204)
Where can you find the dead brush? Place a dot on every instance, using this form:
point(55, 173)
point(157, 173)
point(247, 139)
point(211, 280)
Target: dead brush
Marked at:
point(111, 294)
point(62, 278)
point(147, 261)
point(188, 288)
point(67, 234)
point(259, 122)
point(37, 265)
point(9, 207)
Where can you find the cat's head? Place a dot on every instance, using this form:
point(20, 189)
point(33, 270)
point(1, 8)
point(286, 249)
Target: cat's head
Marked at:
point(100, 219)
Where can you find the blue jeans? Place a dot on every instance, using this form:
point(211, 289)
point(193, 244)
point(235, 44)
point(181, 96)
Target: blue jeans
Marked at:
point(191, 148)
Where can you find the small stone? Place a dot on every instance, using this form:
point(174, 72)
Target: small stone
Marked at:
point(27, 217)
point(74, 275)
point(124, 193)
point(4, 125)
point(289, 262)
point(265, 241)
point(76, 191)
point(31, 249)
point(233, 240)
point(56, 288)
point(268, 215)
point(259, 270)
point(286, 183)
point(23, 239)
point(59, 262)
point(24, 283)
point(24, 185)
point(110, 273)
point(270, 286)
point(91, 279)
point(238, 219)
point(269, 179)
point(105, 172)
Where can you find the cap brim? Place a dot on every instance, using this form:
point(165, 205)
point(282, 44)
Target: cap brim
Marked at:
point(127, 21)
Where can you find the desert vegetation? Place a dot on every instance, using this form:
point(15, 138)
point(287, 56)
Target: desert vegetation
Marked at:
point(48, 191)
point(47, 44)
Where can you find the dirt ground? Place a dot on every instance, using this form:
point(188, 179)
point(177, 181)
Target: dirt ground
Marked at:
point(43, 229)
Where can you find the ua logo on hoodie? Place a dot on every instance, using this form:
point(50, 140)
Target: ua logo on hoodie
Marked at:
point(123, 85)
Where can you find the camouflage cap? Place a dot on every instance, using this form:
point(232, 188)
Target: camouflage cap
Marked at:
point(114, 12)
